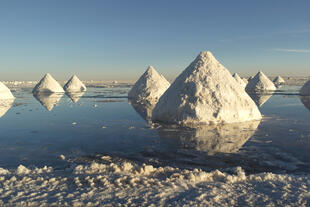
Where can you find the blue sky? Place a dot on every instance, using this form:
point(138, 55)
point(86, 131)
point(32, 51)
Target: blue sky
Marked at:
point(118, 39)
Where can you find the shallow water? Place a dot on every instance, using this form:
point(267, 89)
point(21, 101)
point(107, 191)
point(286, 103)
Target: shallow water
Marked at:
point(36, 130)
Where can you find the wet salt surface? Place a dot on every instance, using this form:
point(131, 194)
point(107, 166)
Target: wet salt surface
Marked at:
point(103, 122)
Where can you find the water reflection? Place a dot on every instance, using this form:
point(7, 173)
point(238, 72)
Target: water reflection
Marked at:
point(260, 98)
point(212, 139)
point(48, 100)
point(144, 109)
point(306, 101)
point(5, 105)
point(75, 97)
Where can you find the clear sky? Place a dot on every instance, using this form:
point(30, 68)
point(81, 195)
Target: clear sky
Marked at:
point(118, 39)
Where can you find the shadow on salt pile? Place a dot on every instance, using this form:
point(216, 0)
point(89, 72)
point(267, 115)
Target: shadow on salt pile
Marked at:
point(260, 98)
point(75, 97)
point(48, 100)
point(306, 101)
point(228, 138)
point(5, 105)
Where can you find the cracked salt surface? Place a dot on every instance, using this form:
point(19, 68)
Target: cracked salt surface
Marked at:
point(134, 162)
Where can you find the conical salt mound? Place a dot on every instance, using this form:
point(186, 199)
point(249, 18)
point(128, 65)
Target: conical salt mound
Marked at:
point(239, 80)
point(205, 93)
point(278, 80)
point(48, 85)
point(305, 90)
point(260, 82)
point(5, 105)
point(74, 85)
point(149, 87)
point(5, 92)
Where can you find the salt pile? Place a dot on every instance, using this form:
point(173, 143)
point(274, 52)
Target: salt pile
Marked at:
point(239, 80)
point(5, 105)
point(245, 80)
point(149, 87)
point(305, 90)
point(205, 93)
point(260, 82)
point(48, 85)
point(74, 85)
point(278, 80)
point(48, 100)
point(5, 92)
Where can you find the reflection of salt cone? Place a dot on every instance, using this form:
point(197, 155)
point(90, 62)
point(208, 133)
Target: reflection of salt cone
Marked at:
point(143, 108)
point(5, 105)
point(227, 138)
point(306, 101)
point(75, 97)
point(260, 98)
point(48, 100)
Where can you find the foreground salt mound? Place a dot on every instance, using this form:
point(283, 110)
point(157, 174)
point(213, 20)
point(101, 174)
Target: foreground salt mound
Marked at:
point(5, 92)
point(260, 82)
point(48, 85)
point(305, 90)
point(239, 80)
point(278, 80)
point(149, 87)
point(226, 138)
point(205, 93)
point(74, 85)
point(125, 183)
point(48, 100)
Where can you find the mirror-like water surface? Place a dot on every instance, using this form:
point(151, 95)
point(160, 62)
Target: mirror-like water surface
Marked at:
point(35, 130)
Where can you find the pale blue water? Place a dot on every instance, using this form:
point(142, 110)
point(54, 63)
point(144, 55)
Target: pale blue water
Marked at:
point(102, 122)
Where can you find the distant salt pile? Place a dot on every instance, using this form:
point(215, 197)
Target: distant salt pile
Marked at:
point(305, 90)
point(149, 87)
point(260, 82)
point(48, 85)
point(205, 93)
point(5, 92)
point(239, 80)
point(74, 85)
point(245, 80)
point(278, 80)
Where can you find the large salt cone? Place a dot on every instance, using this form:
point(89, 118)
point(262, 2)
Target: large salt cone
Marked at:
point(205, 93)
